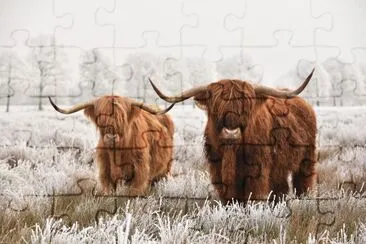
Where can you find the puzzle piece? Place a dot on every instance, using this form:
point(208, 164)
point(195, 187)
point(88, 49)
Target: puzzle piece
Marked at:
point(343, 13)
point(15, 15)
point(317, 210)
point(182, 73)
point(70, 207)
point(236, 63)
point(6, 89)
point(167, 25)
point(99, 75)
point(209, 35)
point(274, 72)
point(13, 70)
point(327, 125)
point(83, 21)
point(335, 83)
point(269, 17)
point(278, 107)
point(348, 159)
point(320, 91)
point(300, 163)
point(135, 65)
point(340, 152)
point(233, 179)
point(47, 63)
point(17, 136)
point(13, 205)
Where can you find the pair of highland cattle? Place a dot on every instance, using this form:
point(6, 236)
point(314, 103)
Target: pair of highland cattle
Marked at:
point(258, 139)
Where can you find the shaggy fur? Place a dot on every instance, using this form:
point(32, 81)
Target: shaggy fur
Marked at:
point(277, 140)
point(134, 145)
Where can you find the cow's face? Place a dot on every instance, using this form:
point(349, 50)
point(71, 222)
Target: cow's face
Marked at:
point(111, 118)
point(228, 104)
point(111, 114)
point(111, 138)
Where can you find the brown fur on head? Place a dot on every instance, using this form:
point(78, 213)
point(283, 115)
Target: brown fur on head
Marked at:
point(130, 145)
point(111, 114)
point(229, 104)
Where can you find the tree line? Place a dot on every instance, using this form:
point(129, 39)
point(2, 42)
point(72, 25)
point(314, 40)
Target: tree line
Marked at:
point(71, 75)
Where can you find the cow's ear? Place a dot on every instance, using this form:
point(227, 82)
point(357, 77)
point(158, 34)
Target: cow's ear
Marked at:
point(90, 113)
point(202, 100)
point(201, 105)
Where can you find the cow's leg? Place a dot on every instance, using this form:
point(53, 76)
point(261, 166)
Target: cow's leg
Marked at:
point(216, 178)
point(117, 171)
point(305, 178)
point(290, 183)
point(257, 188)
point(161, 158)
point(141, 178)
point(252, 173)
point(214, 166)
point(104, 167)
point(229, 174)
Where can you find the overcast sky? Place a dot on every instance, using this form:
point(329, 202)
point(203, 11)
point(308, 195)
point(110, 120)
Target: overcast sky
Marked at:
point(275, 33)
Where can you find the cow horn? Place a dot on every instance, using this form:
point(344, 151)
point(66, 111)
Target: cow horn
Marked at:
point(285, 94)
point(183, 96)
point(73, 109)
point(152, 110)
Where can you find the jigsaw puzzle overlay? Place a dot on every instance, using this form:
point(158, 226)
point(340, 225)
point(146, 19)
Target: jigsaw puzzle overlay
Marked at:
point(88, 161)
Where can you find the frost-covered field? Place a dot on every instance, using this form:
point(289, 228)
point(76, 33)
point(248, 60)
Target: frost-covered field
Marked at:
point(45, 154)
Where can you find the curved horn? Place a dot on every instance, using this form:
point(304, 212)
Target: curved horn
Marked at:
point(183, 96)
point(285, 94)
point(152, 110)
point(71, 110)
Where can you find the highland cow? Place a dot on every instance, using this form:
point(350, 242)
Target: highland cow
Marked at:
point(134, 145)
point(258, 140)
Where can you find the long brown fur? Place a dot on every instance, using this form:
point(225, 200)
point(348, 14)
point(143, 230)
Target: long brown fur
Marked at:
point(277, 139)
point(142, 150)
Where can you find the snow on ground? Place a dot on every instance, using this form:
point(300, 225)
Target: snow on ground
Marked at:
point(63, 146)
point(42, 152)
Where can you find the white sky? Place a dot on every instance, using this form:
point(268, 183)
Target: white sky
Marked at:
point(277, 34)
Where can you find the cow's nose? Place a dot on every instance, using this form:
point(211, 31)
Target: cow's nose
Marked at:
point(231, 133)
point(111, 136)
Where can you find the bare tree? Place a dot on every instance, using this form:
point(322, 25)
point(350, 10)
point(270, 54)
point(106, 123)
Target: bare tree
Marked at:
point(172, 72)
point(97, 74)
point(239, 67)
point(46, 62)
point(12, 76)
point(143, 65)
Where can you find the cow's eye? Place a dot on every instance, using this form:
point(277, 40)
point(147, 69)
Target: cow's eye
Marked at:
point(219, 124)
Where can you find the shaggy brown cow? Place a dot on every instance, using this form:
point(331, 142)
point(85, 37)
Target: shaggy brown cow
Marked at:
point(134, 145)
point(257, 139)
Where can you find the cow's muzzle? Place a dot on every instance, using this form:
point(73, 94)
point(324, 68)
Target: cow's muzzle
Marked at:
point(231, 134)
point(111, 139)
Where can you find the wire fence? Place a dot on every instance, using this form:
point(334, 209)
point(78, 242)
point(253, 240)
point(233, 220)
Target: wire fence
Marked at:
point(342, 93)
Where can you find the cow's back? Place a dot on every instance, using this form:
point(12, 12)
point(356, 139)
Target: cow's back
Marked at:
point(160, 144)
point(293, 115)
point(166, 121)
point(300, 119)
